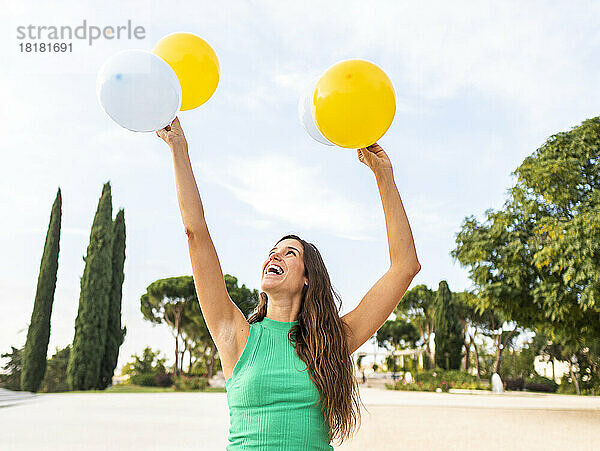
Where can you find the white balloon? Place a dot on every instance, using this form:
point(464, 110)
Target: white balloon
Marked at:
point(139, 90)
point(307, 119)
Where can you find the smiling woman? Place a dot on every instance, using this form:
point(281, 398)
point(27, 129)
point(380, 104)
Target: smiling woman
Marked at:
point(299, 368)
point(288, 367)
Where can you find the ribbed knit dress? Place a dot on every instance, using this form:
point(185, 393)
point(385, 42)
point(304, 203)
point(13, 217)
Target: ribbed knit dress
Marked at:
point(270, 395)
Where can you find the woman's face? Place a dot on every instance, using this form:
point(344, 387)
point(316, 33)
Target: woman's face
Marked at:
point(288, 254)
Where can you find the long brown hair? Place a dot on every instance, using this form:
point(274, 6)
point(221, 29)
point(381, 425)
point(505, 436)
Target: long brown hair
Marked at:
point(320, 339)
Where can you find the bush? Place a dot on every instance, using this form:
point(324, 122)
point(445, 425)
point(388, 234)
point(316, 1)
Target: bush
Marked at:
point(10, 378)
point(541, 384)
point(514, 384)
point(531, 386)
point(190, 383)
point(567, 386)
point(144, 379)
point(141, 370)
point(55, 377)
point(145, 364)
point(414, 386)
point(431, 380)
point(163, 380)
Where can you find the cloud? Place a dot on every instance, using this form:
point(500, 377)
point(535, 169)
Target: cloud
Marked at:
point(526, 53)
point(260, 224)
point(280, 188)
point(299, 82)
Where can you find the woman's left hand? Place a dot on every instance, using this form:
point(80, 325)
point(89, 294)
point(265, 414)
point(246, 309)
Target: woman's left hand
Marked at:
point(374, 157)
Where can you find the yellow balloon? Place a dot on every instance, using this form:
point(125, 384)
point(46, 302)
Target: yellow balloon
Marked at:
point(195, 63)
point(354, 103)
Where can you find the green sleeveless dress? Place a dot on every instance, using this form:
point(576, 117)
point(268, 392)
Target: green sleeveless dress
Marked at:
point(270, 396)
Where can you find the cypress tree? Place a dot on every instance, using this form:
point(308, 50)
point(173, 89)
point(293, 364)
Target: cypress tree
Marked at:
point(114, 334)
point(38, 335)
point(89, 340)
point(448, 330)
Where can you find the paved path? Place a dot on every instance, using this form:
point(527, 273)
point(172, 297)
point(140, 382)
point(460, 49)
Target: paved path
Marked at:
point(9, 398)
point(393, 421)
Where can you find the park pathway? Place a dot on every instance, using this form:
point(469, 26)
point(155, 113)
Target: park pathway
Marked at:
point(393, 420)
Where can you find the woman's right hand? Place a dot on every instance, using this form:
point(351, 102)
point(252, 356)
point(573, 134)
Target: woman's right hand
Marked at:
point(172, 134)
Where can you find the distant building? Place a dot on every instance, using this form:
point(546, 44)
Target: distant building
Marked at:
point(544, 368)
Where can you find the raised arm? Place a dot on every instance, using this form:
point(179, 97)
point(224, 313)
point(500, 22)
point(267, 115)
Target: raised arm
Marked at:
point(221, 314)
point(381, 300)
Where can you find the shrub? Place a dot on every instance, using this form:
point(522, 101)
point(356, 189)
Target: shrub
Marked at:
point(514, 384)
point(431, 380)
point(144, 379)
point(55, 378)
point(531, 386)
point(163, 380)
point(148, 363)
point(189, 383)
point(541, 384)
point(567, 386)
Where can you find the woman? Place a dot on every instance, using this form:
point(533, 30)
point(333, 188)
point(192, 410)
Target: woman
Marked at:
point(288, 368)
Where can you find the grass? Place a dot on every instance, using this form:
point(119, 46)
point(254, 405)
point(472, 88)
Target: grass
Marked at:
point(130, 388)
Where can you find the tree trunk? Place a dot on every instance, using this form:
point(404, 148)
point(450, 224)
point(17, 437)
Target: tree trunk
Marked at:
point(476, 356)
point(498, 354)
point(574, 378)
point(175, 325)
point(176, 369)
point(427, 348)
point(181, 361)
point(465, 343)
point(430, 356)
point(430, 353)
point(178, 313)
point(211, 364)
point(500, 349)
point(185, 346)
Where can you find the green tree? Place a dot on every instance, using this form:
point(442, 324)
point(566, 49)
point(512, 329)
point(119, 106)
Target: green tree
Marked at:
point(418, 307)
point(10, 378)
point(467, 316)
point(397, 334)
point(198, 340)
point(448, 331)
point(165, 301)
point(536, 260)
point(519, 362)
point(55, 379)
point(115, 335)
point(549, 348)
point(494, 325)
point(89, 341)
point(174, 301)
point(38, 335)
point(474, 319)
point(145, 364)
point(142, 370)
point(394, 335)
point(245, 298)
point(582, 354)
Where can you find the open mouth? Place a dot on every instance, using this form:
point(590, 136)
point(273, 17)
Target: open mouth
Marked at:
point(274, 270)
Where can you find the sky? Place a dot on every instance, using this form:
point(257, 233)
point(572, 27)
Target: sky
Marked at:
point(479, 86)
